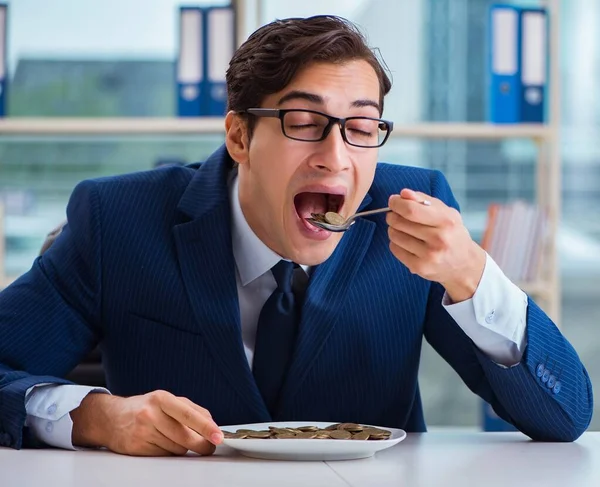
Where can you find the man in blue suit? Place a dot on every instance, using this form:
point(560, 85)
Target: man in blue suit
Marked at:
point(215, 302)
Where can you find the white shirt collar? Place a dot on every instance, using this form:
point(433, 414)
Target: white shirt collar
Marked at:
point(252, 257)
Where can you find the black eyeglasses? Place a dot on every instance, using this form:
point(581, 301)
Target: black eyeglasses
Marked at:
point(312, 126)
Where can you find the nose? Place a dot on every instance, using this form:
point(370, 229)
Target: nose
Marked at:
point(332, 153)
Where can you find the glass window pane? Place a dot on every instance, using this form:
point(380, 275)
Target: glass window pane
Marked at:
point(86, 58)
point(37, 176)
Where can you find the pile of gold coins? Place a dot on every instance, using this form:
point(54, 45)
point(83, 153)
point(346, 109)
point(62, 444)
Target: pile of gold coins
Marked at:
point(338, 431)
point(330, 217)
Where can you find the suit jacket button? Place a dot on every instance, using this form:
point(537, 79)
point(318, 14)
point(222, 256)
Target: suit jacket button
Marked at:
point(551, 382)
point(546, 376)
point(557, 387)
point(540, 370)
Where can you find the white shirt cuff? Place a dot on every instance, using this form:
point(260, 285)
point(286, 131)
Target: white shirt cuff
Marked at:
point(495, 318)
point(48, 407)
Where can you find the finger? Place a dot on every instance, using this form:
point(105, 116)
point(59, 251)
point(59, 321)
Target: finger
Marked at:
point(422, 232)
point(195, 406)
point(404, 256)
point(190, 417)
point(183, 437)
point(162, 441)
point(415, 211)
point(407, 242)
point(417, 196)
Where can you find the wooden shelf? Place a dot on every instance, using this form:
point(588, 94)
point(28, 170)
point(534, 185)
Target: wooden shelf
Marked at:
point(471, 131)
point(111, 126)
point(216, 125)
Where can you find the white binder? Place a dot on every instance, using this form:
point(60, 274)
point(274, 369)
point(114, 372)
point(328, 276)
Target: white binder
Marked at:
point(190, 62)
point(220, 40)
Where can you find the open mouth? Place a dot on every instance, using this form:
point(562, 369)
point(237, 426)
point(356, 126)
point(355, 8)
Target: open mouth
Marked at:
point(308, 203)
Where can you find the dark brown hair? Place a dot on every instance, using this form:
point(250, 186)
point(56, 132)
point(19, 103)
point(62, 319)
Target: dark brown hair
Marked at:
point(268, 61)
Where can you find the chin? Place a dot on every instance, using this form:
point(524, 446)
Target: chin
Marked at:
point(313, 255)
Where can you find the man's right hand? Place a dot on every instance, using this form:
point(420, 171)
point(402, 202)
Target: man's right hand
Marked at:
point(155, 424)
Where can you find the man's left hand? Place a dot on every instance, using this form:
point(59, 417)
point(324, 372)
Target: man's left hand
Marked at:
point(432, 241)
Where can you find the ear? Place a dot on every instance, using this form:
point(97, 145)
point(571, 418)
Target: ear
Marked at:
point(236, 137)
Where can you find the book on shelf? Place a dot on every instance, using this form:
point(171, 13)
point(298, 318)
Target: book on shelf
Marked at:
point(515, 236)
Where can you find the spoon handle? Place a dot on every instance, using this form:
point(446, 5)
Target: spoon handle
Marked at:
point(372, 212)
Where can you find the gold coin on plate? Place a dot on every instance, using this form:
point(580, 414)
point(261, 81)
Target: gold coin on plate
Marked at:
point(260, 434)
point(237, 436)
point(376, 431)
point(360, 436)
point(340, 434)
point(280, 431)
point(352, 427)
point(306, 435)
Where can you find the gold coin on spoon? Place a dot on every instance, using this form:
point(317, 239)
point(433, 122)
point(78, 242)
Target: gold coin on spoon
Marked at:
point(334, 218)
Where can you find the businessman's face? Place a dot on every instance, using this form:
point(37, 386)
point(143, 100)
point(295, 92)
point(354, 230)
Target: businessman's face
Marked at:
point(283, 181)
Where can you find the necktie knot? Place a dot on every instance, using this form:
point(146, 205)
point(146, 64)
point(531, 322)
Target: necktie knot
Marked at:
point(283, 272)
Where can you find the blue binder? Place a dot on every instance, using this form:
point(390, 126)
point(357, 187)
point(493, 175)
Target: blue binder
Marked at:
point(504, 93)
point(493, 422)
point(190, 62)
point(219, 46)
point(3, 57)
point(534, 55)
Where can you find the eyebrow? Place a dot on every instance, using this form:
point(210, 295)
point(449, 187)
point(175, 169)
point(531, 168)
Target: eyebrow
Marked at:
point(314, 98)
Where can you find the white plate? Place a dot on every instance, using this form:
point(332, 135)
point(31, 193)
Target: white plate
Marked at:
point(315, 450)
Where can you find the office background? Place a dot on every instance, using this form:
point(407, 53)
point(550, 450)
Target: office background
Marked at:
point(116, 58)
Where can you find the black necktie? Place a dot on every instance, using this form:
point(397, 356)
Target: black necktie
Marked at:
point(275, 335)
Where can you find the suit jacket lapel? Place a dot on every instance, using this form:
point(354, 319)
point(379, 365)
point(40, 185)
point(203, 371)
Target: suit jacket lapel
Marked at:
point(324, 298)
point(206, 260)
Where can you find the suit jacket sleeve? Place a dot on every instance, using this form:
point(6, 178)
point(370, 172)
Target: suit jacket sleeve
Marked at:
point(517, 394)
point(50, 316)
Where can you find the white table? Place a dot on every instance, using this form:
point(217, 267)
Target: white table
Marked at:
point(431, 459)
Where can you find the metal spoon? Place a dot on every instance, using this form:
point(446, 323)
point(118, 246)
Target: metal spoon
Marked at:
point(325, 222)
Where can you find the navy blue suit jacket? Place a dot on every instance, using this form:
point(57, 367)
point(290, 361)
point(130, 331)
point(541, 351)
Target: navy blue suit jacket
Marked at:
point(145, 268)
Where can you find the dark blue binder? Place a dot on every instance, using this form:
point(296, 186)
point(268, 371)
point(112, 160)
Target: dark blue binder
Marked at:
point(534, 55)
point(493, 422)
point(3, 58)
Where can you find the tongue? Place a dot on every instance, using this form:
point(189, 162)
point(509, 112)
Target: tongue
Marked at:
point(308, 203)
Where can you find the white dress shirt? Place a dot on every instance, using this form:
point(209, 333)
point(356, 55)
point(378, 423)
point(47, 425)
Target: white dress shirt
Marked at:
point(494, 318)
